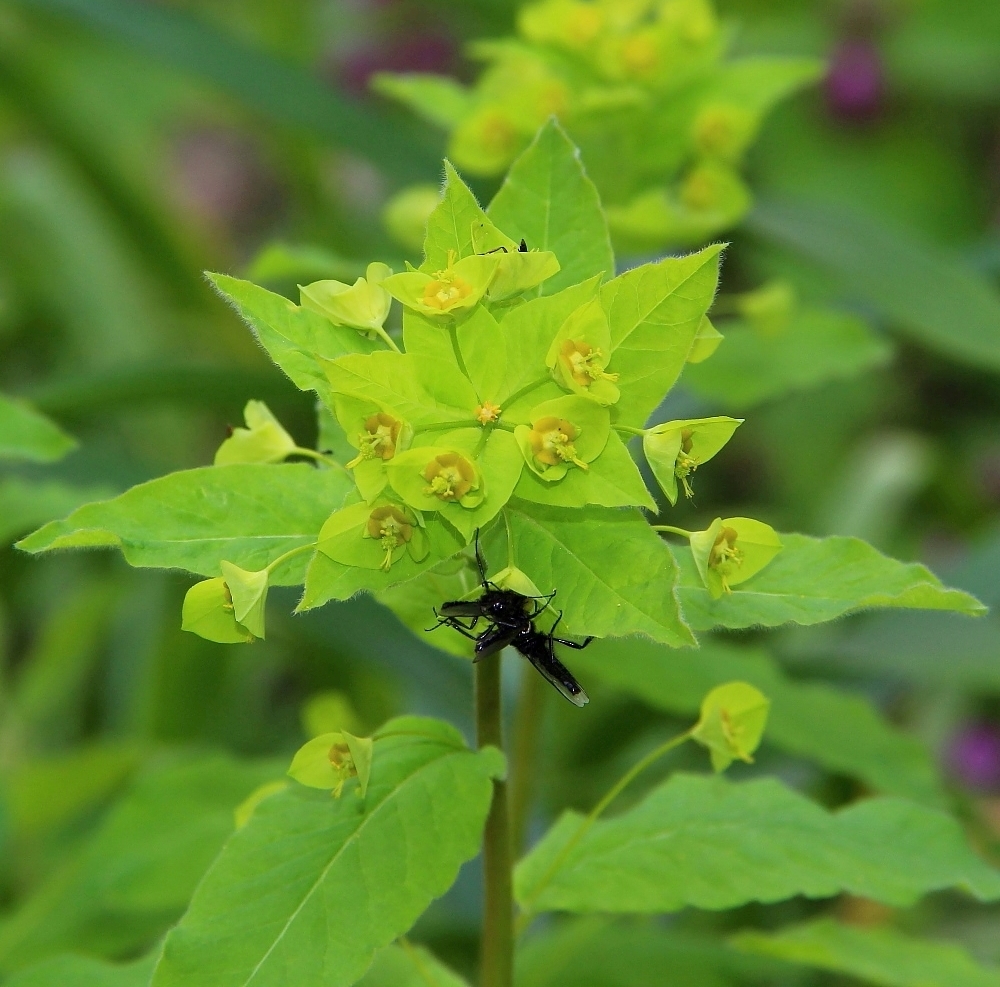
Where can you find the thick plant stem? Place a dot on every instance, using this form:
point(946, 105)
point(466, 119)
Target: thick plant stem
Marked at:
point(497, 957)
point(524, 755)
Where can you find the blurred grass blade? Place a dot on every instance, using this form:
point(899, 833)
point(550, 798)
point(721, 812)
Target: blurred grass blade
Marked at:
point(931, 297)
point(257, 79)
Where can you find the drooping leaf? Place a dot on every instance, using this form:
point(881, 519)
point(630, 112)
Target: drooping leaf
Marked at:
point(836, 729)
point(750, 367)
point(80, 971)
point(813, 580)
point(134, 876)
point(548, 200)
point(879, 956)
point(27, 434)
point(596, 952)
point(294, 337)
point(654, 312)
point(714, 844)
point(409, 965)
point(611, 576)
point(927, 294)
point(311, 887)
point(246, 514)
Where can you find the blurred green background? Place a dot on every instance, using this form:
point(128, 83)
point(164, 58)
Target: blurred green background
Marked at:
point(144, 142)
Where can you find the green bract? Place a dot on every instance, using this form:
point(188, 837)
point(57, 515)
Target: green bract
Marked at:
point(455, 288)
point(732, 723)
point(563, 434)
point(331, 759)
point(362, 305)
point(674, 450)
point(579, 355)
point(208, 612)
point(731, 551)
point(262, 441)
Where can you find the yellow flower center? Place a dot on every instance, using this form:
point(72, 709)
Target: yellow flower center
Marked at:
point(343, 764)
point(552, 442)
point(584, 363)
point(725, 556)
point(449, 477)
point(391, 528)
point(487, 412)
point(378, 440)
point(685, 464)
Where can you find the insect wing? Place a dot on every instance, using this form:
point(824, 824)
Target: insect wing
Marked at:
point(539, 651)
point(461, 608)
point(494, 640)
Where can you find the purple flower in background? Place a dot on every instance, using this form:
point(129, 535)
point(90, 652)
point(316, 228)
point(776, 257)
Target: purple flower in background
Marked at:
point(855, 81)
point(974, 756)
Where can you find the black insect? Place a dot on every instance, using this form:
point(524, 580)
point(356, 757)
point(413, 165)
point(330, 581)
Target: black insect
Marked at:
point(511, 618)
point(522, 248)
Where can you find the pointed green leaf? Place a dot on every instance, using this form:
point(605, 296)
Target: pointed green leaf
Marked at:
point(247, 514)
point(28, 434)
point(710, 843)
point(548, 200)
point(80, 971)
point(812, 580)
point(820, 345)
point(281, 904)
point(611, 575)
point(875, 955)
point(450, 225)
point(837, 729)
point(294, 337)
point(654, 312)
point(409, 965)
point(25, 504)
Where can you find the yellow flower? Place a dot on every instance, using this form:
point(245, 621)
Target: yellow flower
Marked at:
point(450, 476)
point(583, 362)
point(446, 291)
point(379, 439)
point(551, 440)
point(487, 412)
point(391, 528)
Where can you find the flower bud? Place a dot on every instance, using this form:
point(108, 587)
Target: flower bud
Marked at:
point(262, 441)
point(733, 717)
point(362, 305)
point(731, 551)
point(455, 289)
point(674, 450)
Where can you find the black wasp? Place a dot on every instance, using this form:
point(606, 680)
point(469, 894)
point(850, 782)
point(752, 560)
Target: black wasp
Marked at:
point(512, 617)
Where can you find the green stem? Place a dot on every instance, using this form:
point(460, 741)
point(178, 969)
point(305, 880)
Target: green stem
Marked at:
point(382, 334)
point(527, 389)
point(318, 456)
point(629, 430)
point(524, 747)
point(670, 529)
point(449, 426)
point(496, 959)
point(281, 559)
point(459, 359)
point(595, 814)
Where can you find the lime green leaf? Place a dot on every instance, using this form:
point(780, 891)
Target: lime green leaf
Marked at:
point(418, 390)
point(294, 337)
point(133, 877)
point(362, 305)
point(25, 504)
point(262, 441)
point(613, 480)
point(208, 612)
point(409, 965)
point(298, 864)
point(654, 312)
point(248, 514)
point(243, 812)
point(839, 730)
point(611, 575)
point(80, 971)
point(484, 354)
point(28, 434)
point(548, 200)
point(713, 844)
point(813, 580)
point(927, 294)
point(597, 952)
point(733, 717)
point(877, 956)
point(820, 345)
point(449, 227)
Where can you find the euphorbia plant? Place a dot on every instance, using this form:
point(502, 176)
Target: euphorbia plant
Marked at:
point(525, 372)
